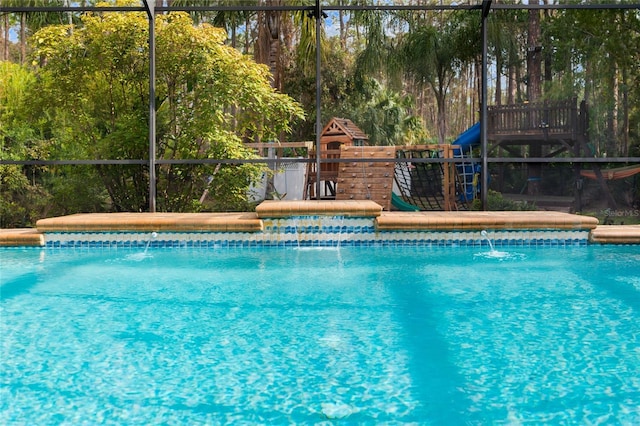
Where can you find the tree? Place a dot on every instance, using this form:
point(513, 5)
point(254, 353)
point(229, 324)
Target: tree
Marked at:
point(30, 22)
point(600, 65)
point(386, 118)
point(505, 28)
point(96, 91)
point(534, 92)
point(22, 198)
point(433, 56)
point(230, 20)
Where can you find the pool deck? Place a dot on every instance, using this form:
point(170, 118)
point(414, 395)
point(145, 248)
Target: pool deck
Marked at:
point(384, 221)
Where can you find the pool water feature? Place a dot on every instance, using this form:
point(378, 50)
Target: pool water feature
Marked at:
point(144, 254)
point(434, 335)
point(485, 236)
point(493, 253)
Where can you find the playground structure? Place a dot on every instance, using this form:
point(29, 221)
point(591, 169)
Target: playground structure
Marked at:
point(366, 180)
point(549, 129)
point(337, 133)
point(425, 180)
point(438, 185)
point(553, 123)
point(406, 185)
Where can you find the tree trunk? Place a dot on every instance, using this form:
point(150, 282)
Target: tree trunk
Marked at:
point(343, 30)
point(5, 42)
point(477, 69)
point(534, 93)
point(547, 54)
point(234, 37)
point(268, 50)
point(612, 119)
point(247, 32)
point(624, 131)
point(23, 37)
point(442, 116)
point(513, 85)
point(499, 65)
point(534, 57)
point(471, 112)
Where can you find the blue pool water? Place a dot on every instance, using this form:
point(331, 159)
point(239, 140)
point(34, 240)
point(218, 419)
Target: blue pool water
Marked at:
point(355, 335)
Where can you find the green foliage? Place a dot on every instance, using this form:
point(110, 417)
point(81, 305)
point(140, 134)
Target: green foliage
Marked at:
point(75, 189)
point(208, 97)
point(496, 202)
point(433, 55)
point(336, 91)
point(22, 199)
point(385, 116)
point(594, 57)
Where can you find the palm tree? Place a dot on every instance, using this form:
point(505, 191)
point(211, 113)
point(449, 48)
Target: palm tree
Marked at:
point(370, 27)
point(387, 119)
point(433, 55)
point(275, 33)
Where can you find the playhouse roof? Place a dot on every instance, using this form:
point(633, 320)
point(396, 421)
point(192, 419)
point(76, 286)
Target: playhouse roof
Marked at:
point(343, 126)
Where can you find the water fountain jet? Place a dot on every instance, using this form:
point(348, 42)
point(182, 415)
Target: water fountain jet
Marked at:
point(488, 240)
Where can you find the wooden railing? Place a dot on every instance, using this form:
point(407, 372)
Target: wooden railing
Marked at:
point(534, 121)
point(297, 148)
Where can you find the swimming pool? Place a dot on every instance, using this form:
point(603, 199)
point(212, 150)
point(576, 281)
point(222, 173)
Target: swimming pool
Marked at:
point(427, 335)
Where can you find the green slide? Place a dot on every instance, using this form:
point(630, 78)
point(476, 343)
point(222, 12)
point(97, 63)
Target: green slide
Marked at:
point(402, 205)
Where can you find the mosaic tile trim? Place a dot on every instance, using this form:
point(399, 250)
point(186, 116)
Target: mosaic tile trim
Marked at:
point(316, 231)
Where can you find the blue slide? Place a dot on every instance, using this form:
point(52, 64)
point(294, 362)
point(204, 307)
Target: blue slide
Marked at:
point(467, 172)
point(467, 139)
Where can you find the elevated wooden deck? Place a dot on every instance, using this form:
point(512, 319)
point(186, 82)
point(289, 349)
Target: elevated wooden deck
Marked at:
point(548, 122)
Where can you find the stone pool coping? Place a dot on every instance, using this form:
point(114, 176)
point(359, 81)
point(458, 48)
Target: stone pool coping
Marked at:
point(471, 220)
point(384, 221)
point(149, 222)
point(21, 237)
point(616, 234)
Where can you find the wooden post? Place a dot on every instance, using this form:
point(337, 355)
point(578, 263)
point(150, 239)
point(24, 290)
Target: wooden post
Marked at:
point(448, 181)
